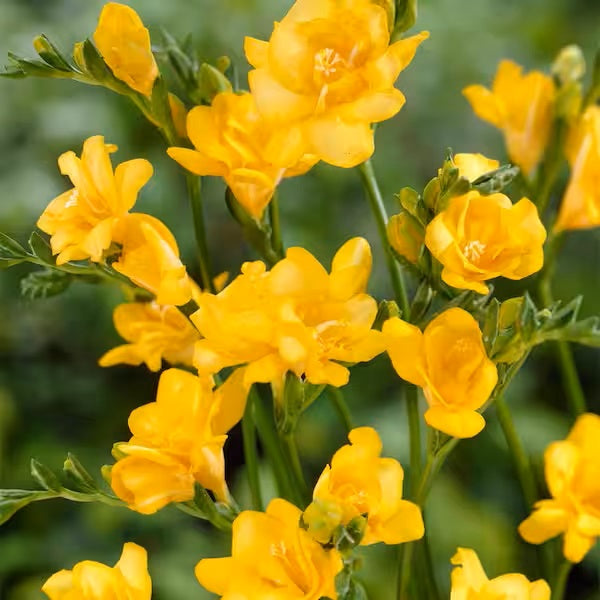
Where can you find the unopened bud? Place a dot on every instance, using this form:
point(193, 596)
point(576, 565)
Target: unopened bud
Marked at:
point(569, 65)
point(211, 82)
point(406, 236)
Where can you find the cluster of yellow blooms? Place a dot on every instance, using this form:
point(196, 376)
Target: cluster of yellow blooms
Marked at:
point(324, 77)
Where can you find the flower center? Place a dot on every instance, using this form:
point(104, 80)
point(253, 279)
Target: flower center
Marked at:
point(327, 62)
point(474, 250)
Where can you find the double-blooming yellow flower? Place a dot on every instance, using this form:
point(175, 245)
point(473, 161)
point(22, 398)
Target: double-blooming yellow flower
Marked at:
point(84, 222)
point(572, 469)
point(295, 317)
point(325, 75)
point(580, 206)
point(272, 557)
point(154, 333)
point(90, 580)
point(479, 237)
point(360, 482)
point(448, 360)
point(469, 582)
point(521, 106)
point(177, 441)
point(233, 141)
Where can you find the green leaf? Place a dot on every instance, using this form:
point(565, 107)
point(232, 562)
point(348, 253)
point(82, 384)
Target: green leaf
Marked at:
point(44, 284)
point(12, 501)
point(44, 476)
point(11, 250)
point(41, 248)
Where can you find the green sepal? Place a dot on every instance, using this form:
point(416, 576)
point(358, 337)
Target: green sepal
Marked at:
point(490, 325)
point(412, 203)
point(495, 181)
point(50, 54)
point(44, 476)
point(78, 475)
point(431, 194)
point(347, 537)
point(406, 16)
point(41, 248)
point(421, 301)
point(387, 309)
point(44, 284)
point(210, 82)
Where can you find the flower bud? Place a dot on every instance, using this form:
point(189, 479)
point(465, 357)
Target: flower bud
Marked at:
point(211, 82)
point(569, 65)
point(406, 236)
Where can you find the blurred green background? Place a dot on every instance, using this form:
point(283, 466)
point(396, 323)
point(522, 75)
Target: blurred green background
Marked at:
point(53, 396)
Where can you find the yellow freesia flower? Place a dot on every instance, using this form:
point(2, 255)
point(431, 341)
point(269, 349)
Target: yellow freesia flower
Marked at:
point(272, 557)
point(154, 332)
point(478, 238)
point(90, 580)
point(572, 469)
point(580, 207)
point(448, 360)
point(150, 258)
point(82, 221)
point(359, 482)
point(177, 441)
point(473, 166)
point(296, 317)
point(232, 141)
point(522, 107)
point(325, 75)
point(124, 44)
point(469, 582)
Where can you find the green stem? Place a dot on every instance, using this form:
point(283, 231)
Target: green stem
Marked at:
point(337, 399)
point(405, 552)
point(276, 239)
point(414, 427)
point(431, 583)
point(193, 185)
point(515, 447)
point(250, 455)
point(373, 192)
point(560, 583)
point(265, 424)
point(289, 440)
point(564, 356)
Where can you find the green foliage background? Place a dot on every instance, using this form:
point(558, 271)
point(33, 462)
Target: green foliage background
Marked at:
point(53, 396)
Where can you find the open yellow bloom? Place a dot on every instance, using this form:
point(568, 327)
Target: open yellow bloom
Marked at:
point(325, 75)
point(572, 469)
point(478, 238)
point(580, 207)
point(150, 258)
point(469, 582)
point(448, 360)
point(473, 166)
point(154, 332)
point(178, 441)
point(272, 557)
point(90, 580)
point(360, 482)
point(124, 44)
point(232, 141)
point(82, 221)
point(296, 317)
point(522, 107)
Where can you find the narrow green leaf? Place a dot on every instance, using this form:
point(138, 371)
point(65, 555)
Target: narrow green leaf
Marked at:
point(50, 53)
point(10, 249)
point(13, 500)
